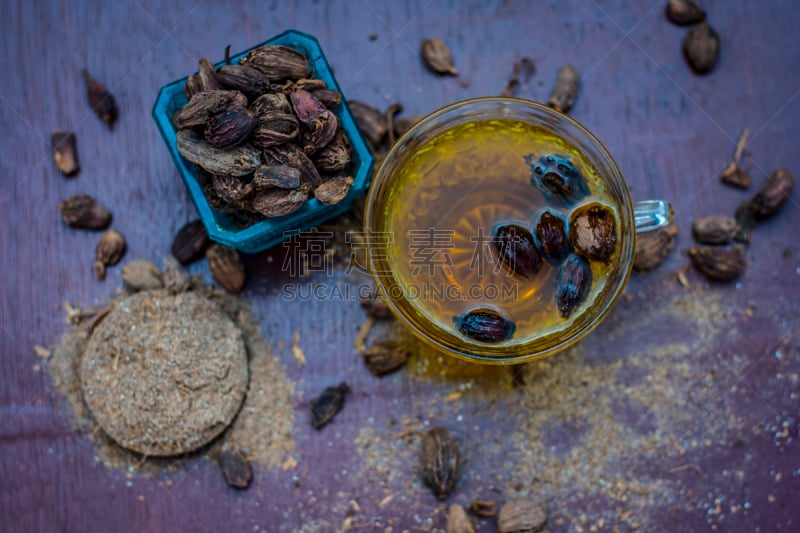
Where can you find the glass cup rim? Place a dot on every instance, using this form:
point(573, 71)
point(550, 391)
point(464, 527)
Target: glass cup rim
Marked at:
point(502, 355)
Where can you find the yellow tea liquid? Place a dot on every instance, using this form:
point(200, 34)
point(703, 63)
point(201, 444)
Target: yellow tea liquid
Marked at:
point(445, 201)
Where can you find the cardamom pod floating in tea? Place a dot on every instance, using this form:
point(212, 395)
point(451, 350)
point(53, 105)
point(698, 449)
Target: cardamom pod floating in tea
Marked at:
point(593, 230)
point(573, 281)
point(516, 249)
point(485, 325)
point(557, 179)
point(550, 236)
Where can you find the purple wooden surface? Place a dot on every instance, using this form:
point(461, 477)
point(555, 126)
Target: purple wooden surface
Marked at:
point(670, 131)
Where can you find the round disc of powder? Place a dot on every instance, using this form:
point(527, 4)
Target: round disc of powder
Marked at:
point(163, 375)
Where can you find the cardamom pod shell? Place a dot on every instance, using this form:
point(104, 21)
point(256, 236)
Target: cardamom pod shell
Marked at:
point(719, 264)
point(437, 56)
point(101, 100)
point(231, 127)
point(275, 128)
point(521, 516)
point(248, 80)
point(653, 247)
point(715, 229)
point(593, 230)
point(226, 267)
point(190, 242)
point(65, 152)
point(278, 176)
point(108, 252)
point(565, 89)
point(333, 190)
point(684, 12)
point(239, 161)
point(773, 194)
point(203, 105)
point(207, 76)
point(83, 211)
point(385, 357)
point(291, 155)
point(277, 62)
point(329, 97)
point(279, 202)
point(271, 102)
point(370, 121)
point(439, 461)
point(141, 275)
point(701, 48)
point(335, 156)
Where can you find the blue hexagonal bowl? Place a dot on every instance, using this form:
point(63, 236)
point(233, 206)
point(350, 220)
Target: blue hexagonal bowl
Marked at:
point(272, 231)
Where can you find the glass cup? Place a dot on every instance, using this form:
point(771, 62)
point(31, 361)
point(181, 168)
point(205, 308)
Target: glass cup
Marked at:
point(415, 312)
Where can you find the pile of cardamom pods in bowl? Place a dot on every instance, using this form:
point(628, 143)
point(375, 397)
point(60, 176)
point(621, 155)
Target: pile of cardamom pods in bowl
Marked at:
point(264, 134)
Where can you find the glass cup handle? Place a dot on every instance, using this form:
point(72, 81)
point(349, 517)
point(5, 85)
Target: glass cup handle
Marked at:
point(651, 215)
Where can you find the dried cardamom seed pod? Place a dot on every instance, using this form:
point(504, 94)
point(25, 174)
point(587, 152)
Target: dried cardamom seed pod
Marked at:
point(735, 176)
point(376, 306)
point(279, 202)
point(328, 404)
point(437, 56)
point(565, 89)
point(701, 48)
point(65, 152)
point(439, 461)
point(271, 102)
point(483, 508)
point(593, 230)
point(551, 238)
point(231, 189)
point(718, 264)
point(309, 84)
point(83, 211)
point(204, 105)
point(716, 229)
point(101, 100)
point(306, 106)
point(485, 325)
point(559, 181)
point(248, 80)
point(192, 86)
point(190, 242)
point(108, 252)
point(274, 128)
point(280, 176)
point(141, 275)
point(334, 190)
point(458, 521)
point(238, 161)
point(214, 200)
point(385, 357)
point(277, 62)
point(653, 247)
point(573, 281)
point(236, 469)
point(773, 194)
point(684, 12)
point(231, 127)
point(329, 97)
point(176, 278)
point(291, 155)
point(521, 516)
point(516, 249)
point(371, 122)
point(335, 156)
point(226, 267)
point(207, 76)
point(319, 132)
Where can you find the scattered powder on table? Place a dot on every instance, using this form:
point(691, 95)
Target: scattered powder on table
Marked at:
point(263, 426)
